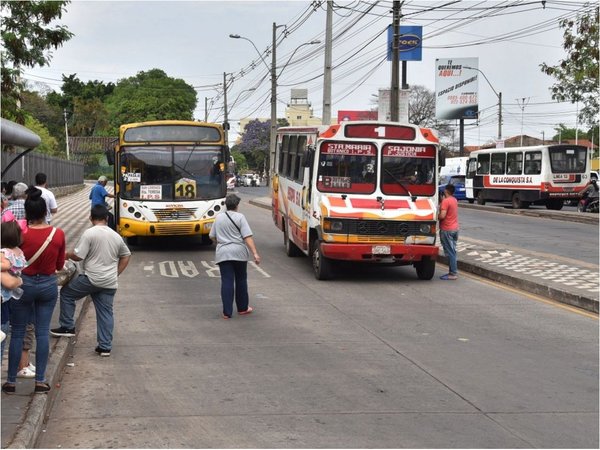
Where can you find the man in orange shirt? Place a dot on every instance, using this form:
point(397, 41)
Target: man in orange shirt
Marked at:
point(449, 230)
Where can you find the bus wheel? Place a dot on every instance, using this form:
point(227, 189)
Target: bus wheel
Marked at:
point(555, 204)
point(425, 268)
point(291, 249)
point(321, 265)
point(471, 200)
point(480, 199)
point(517, 203)
point(132, 240)
point(206, 240)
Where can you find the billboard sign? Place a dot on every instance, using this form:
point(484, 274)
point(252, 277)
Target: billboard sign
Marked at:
point(345, 115)
point(456, 88)
point(409, 44)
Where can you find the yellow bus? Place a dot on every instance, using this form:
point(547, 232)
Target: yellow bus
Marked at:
point(169, 178)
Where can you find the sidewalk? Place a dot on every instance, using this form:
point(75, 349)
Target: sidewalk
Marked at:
point(564, 280)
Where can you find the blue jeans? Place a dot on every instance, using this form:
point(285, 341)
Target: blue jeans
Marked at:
point(5, 329)
point(79, 288)
point(449, 239)
point(39, 297)
point(234, 278)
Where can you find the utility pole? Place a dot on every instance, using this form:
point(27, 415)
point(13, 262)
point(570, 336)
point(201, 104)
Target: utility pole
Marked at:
point(543, 138)
point(394, 92)
point(66, 134)
point(273, 134)
point(205, 109)
point(522, 105)
point(499, 116)
point(327, 69)
point(226, 119)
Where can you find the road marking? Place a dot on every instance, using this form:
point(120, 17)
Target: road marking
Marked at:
point(168, 269)
point(265, 274)
point(212, 271)
point(187, 268)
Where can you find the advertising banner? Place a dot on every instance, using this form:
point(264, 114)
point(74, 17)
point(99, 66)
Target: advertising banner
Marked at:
point(385, 103)
point(456, 88)
point(409, 43)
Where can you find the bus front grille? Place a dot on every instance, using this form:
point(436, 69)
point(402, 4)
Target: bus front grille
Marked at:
point(174, 229)
point(175, 214)
point(388, 228)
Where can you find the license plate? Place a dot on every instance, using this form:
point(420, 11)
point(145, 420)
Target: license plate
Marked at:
point(381, 250)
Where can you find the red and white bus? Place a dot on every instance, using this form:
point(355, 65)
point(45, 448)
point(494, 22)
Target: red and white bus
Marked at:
point(545, 174)
point(358, 191)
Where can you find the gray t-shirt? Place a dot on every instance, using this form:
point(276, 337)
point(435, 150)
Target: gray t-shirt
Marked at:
point(100, 248)
point(230, 241)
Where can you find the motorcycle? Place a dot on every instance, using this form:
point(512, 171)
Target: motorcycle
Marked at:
point(592, 207)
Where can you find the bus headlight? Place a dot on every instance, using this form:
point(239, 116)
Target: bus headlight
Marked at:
point(333, 226)
point(425, 228)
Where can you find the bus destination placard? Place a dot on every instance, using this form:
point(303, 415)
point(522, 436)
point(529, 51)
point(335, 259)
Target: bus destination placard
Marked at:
point(409, 151)
point(348, 148)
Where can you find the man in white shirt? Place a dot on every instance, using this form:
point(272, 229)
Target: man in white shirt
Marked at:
point(104, 256)
point(51, 205)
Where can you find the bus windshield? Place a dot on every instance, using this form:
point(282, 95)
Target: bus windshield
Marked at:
point(568, 160)
point(347, 167)
point(171, 173)
point(408, 168)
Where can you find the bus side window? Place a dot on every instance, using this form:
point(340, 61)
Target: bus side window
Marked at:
point(483, 164)
point(514, 163)
point(284, 154)
point(533, 163)
point(289, 164)
point(498, 160)
point(299, 170)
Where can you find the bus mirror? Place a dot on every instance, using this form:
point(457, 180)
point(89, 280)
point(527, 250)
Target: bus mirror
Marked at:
point(227, 154)
point(110, 156)
point(226, 126)
point(309, 156)
point(442, 158)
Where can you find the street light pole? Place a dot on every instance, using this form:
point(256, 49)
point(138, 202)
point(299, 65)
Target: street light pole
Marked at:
point(498, 94)
point(66, 134)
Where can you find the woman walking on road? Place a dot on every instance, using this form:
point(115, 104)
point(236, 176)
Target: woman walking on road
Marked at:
point(44, 248)
point(234, 238)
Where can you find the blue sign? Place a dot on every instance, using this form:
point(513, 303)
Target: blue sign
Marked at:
point(409, 42)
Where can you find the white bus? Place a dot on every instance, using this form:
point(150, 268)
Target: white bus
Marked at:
point(546, 174)
point(358, 191)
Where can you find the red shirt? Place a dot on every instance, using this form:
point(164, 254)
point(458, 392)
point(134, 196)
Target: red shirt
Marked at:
point(52, 258)
point(450, 222)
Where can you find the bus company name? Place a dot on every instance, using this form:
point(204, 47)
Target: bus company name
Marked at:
point(293, 196)
point(512, 180)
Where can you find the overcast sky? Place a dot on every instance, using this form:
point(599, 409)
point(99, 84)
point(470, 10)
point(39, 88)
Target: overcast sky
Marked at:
point(190, 40)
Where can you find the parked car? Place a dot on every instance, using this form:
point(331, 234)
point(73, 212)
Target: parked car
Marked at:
point(459, 185)
point(250, 179)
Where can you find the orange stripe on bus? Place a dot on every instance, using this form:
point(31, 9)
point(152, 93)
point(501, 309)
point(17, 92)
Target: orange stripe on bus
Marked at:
point(337, 201)
point(423, 204)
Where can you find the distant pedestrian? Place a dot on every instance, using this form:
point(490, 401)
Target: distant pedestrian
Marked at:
point(104, 256)
point(590, 193)
point(98, 196)
point(7, 215)
point(44, 248)
point(234, 238)
point(17, 207)
point(449, 230)
point(41, 180)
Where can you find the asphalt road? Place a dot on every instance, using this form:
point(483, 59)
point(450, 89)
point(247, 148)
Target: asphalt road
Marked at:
point(374, 358)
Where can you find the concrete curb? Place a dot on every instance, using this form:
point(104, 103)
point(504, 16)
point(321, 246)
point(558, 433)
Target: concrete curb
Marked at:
point(529, 286)
point(558, 295)
point(40, 405)
point(589, 218)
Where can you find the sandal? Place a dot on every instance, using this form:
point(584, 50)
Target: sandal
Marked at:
point(448, 277)
point(226, 317)
point(248, 311)
point(41, 388)
point(9, 388)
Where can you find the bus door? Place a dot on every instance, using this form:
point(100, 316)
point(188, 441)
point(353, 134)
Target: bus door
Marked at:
point(471, 169)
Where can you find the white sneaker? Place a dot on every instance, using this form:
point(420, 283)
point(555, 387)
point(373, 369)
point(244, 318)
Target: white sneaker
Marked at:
point(26, 372)
point(2, 336)
point(31, 367)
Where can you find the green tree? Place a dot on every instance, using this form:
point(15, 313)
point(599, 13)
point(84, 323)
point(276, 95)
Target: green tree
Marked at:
point(255, 144)
point(150, 95)
point(51, 116)
point(28, 35)
point(241, 165)
point(577, 75)
point(90, 117)
point(49, 144)
point(73, 88)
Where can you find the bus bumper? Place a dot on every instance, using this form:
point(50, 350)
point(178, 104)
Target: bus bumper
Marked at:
point(132, 228)
point(399, 253)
